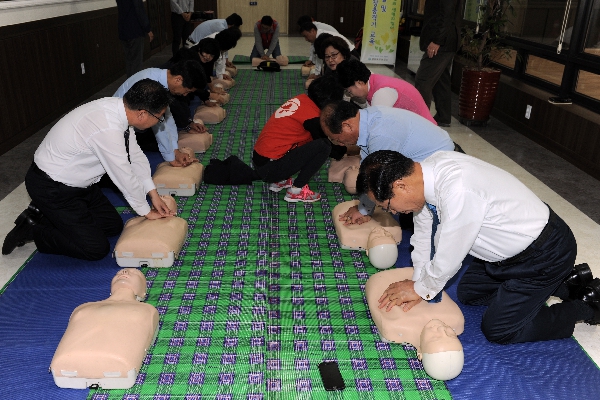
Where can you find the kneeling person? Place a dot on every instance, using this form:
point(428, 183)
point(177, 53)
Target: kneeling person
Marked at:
point(69, 214)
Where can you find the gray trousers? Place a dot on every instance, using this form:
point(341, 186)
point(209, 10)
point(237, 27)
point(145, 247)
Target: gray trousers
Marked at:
point(433, 82)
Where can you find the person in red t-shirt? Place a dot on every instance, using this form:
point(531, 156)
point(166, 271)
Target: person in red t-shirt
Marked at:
point(292, 142)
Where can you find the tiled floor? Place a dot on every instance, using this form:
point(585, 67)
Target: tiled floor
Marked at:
point(573, 194)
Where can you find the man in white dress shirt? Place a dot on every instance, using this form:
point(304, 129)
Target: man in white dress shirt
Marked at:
point(523, 251)
point(69, 214)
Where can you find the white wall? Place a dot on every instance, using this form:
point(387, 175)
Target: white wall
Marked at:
point(21, 11)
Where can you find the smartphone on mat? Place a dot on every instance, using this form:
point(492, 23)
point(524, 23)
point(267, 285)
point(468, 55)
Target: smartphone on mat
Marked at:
point(331, 376)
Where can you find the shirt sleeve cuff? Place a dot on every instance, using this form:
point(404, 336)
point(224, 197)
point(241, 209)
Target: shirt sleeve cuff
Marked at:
point(143, 210)
point(148, 185)
point(424, 292)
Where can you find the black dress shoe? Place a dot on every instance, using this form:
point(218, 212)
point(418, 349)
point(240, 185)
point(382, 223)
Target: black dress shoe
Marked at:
point(578, 279)
point(596, 318)
point(34, 211)
point(591, 292)
point(20, 234)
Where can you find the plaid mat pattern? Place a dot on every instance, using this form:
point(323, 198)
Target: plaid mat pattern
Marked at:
point(240, 59)
point(262, 292)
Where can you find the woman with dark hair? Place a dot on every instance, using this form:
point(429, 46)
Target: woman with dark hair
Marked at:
point(333, 50)
point(208, 50)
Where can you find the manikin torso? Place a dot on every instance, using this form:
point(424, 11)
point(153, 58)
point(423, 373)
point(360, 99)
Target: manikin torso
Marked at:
point(109, 336)
point(406, 327)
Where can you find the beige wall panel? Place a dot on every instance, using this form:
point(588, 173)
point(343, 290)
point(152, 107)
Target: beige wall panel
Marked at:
point(278, 9)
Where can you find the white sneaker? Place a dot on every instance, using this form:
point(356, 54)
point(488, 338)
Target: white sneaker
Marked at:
point(278, 186)
point(306, 195)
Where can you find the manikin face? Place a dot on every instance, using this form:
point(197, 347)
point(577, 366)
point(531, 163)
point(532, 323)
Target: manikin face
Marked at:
point(436, 337)
point(333, 57)
point(130, 278)
point(359, 89)
point(310, 36)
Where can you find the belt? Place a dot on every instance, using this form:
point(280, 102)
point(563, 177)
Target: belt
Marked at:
point(38, 171)
point(553, 220)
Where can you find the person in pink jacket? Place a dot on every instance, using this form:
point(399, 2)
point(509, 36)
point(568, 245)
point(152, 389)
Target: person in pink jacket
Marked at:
point(381, 90)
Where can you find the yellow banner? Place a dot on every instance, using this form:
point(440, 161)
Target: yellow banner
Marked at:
point(380, 32)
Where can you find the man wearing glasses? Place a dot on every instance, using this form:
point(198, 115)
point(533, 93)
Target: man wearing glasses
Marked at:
point(523, 252)
point(69, 214)
point(181, 79)
point(380, 128)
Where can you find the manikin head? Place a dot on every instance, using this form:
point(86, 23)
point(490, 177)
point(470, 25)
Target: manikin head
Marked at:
point(441, 352)
point(382, 248)
point(130, 278)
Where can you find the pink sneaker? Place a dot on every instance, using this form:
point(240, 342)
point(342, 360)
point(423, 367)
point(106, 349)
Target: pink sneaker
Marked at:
point(278, 186)
point(306, 195)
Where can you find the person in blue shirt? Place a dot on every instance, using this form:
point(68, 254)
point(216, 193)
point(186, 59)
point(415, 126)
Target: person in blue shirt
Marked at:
point(213, 26)
point(381, 128)
point(181, 79)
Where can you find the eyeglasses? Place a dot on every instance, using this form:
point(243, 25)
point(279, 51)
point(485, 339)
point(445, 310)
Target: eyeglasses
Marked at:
point(332, 55)
point(160, 120)
point(387, 209)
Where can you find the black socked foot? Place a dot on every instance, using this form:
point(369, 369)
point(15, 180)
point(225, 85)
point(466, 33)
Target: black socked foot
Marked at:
point(20, 234)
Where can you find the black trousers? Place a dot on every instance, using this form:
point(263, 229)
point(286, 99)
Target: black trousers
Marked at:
point(76, 222)
point(180, 33)
point(134, 54)
point(515, 290)
point(433, 82)
point(304, 160)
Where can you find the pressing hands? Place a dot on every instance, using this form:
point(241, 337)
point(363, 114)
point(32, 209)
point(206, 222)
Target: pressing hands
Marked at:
point(353, 216)
point(182, 160)
point(160, 209)
point(401, 294)
point(195, 127)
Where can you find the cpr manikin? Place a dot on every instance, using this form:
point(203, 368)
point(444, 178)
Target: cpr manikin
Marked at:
point(152, 243)
point(436, 342)
point(441, 351)
point(106, 341)
point(355, 236)
point(382, 248)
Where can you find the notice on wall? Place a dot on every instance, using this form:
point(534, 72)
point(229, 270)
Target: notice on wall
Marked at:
point(380, 32)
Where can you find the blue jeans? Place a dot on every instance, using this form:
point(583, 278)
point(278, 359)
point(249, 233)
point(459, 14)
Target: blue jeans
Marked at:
point(256, 54)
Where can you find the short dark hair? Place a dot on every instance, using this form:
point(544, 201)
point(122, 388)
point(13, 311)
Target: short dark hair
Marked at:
point(337, 43)
point(208, 46)
point(309, 26)
point(184, 54)
point(349, 71)
point(234, 20)
point(380, 170)
point(325, 90)
point(336, 112)
point(147, 94)
point(266, 20)
point(305, 19)
point(228, 38)
point(191, 72)
point(319, 50)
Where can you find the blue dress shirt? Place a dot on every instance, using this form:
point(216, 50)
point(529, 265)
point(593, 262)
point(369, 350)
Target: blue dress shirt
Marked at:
point(165, 132)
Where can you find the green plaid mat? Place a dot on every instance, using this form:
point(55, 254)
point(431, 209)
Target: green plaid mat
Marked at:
point(240, 59)
point(262, 292)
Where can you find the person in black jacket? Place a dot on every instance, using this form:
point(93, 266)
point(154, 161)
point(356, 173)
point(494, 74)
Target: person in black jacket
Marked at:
point(133, 25)
point(440, 38)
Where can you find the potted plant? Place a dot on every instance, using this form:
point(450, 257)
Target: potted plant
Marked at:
point(482, 44)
